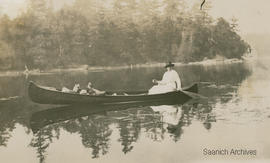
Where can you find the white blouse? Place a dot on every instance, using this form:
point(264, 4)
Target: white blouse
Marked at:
point(171, 78)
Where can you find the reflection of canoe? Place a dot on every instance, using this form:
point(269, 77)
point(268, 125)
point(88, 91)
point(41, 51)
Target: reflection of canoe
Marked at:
point(59, 114)
point(45, 95)
point(170, 113)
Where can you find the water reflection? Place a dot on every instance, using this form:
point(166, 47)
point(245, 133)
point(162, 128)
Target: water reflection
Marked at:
point(95, 134)
point(42, 140)
point(93, 124)
point(101, 128)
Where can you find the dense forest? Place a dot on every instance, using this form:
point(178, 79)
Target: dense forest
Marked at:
point(115, 32)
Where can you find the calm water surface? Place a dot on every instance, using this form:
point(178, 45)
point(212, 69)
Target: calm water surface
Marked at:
point(235, 115)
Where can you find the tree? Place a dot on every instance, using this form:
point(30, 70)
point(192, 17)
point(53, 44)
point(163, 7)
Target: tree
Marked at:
point(227, 42)
point(115, 32)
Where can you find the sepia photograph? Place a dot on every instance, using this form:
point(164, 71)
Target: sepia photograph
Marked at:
point(134, 81)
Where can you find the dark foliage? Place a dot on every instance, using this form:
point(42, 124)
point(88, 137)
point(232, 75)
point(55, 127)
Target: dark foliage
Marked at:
point(120, 33)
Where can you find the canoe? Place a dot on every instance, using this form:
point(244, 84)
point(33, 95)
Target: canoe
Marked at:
point(47, 95)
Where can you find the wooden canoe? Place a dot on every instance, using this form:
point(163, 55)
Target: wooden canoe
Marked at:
point(46, 95)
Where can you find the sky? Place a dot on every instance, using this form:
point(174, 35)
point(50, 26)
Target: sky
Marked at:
point(252, 15)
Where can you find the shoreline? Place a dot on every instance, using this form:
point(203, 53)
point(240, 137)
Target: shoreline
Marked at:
point(87, 68)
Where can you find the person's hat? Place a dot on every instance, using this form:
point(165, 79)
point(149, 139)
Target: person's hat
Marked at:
point(170, 64)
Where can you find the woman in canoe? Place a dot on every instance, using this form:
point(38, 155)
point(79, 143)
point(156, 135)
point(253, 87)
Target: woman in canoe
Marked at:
point(170, 81)
point(92, 91)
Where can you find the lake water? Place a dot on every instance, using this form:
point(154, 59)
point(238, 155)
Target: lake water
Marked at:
point(235, 115)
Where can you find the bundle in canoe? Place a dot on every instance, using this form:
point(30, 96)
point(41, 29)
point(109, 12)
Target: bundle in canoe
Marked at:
point(46, 95)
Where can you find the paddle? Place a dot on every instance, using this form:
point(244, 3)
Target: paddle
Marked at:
point(195, 95)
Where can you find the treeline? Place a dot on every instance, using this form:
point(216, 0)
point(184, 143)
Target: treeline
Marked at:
point(114, 32)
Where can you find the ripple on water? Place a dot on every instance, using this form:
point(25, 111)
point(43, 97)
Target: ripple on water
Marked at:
point(242, 109)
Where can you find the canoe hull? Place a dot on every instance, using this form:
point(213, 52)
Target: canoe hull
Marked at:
point(42, 95)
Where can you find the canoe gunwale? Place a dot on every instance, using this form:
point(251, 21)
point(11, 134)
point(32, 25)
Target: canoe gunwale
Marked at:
point(49, 95)
point(106, 95)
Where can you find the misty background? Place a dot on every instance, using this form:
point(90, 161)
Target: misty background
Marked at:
point(47, 34)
